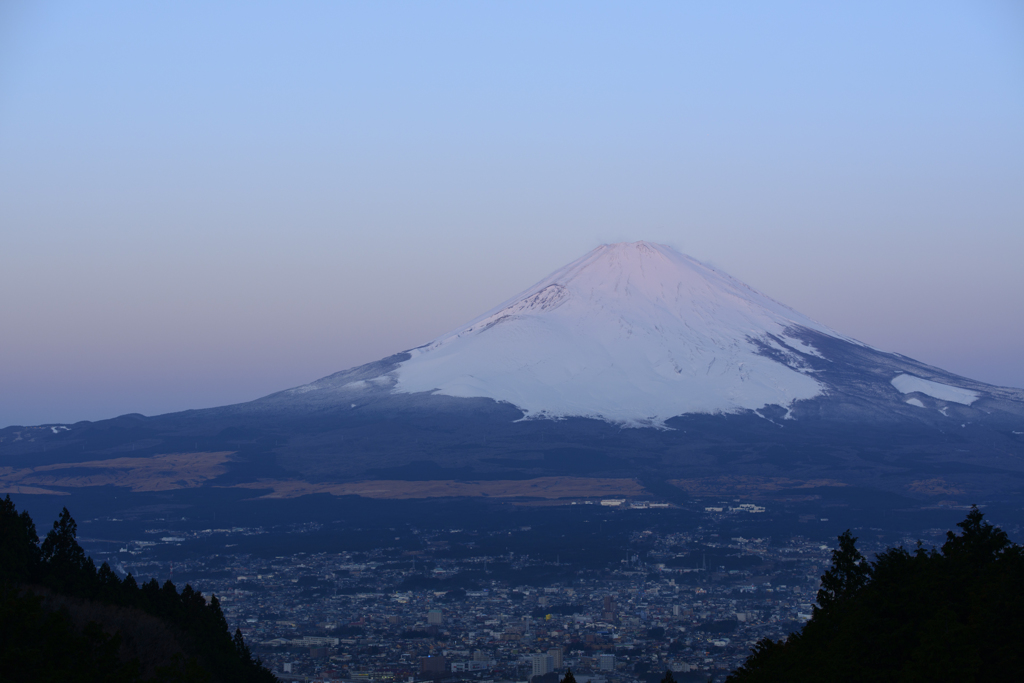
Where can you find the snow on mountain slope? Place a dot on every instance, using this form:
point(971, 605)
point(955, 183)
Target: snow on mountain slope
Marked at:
point(631, 333)
point(908, 384)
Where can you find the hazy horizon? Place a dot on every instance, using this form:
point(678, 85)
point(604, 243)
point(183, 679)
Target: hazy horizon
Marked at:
point(206, 204)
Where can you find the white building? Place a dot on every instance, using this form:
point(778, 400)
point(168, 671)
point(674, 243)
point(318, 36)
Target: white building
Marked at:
point(315, 641)
point(542, 664)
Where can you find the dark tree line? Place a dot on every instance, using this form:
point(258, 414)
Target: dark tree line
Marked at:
point(952, 614)
point(62, 619)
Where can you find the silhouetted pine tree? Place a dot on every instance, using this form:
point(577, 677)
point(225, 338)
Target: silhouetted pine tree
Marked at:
point(19, 547)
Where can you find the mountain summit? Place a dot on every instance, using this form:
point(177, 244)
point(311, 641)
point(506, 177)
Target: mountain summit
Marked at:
point(632, 333)
point(635, 334)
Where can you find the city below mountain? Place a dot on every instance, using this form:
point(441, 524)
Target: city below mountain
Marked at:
point(634, 371)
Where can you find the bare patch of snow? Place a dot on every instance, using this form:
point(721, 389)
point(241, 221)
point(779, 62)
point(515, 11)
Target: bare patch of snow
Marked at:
point(915, 402)
point(802, 347)
point(907, 384)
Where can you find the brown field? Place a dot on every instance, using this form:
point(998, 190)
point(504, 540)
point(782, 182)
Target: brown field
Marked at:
point(750, 487)
point(29, 490)
point(542, 487)
point(156, 473)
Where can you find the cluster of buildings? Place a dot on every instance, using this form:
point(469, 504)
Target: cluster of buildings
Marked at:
point(366, 616)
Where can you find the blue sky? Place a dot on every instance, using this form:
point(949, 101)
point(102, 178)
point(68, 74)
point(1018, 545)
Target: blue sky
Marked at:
point(201, 203)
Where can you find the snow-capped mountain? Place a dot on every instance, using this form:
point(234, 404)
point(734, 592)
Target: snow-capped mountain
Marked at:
point(634, 361)
point(635, 334)
point(631, 333)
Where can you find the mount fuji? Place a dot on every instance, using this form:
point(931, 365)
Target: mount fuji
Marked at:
point(634, 362)
point(636, 334)
point(632, 334)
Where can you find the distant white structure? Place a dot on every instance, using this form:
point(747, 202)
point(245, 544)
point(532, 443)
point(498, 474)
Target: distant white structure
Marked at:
point(542, 664)
point(315, 641)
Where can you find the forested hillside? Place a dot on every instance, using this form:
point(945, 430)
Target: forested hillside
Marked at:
point(62, 619)
point(951, 614)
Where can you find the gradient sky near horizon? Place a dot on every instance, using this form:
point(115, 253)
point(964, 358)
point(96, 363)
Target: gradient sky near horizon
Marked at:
point(202, 203)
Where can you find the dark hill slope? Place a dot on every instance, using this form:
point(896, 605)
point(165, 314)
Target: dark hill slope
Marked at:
point(62, 619)
point(951, 614)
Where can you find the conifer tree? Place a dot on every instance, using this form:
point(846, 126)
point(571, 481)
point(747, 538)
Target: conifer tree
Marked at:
point(240, 646)
point(60, 547)
point(19, 543)
point(848, 574)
